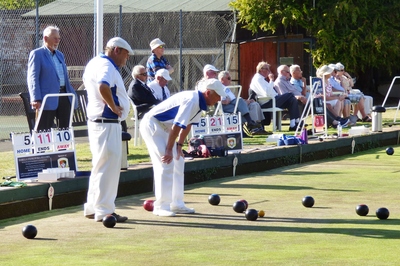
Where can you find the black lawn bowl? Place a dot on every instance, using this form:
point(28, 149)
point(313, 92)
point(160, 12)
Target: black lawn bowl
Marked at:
point(251, 214)
point(239, 206)
point(214, 199)
point(382, 213)
point(308, 201)
point(245, 203)
point(362, 210)
point(109, 221)
point(389, 151)
point(29, 231)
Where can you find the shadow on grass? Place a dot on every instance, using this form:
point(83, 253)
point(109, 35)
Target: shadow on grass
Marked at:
point(278, 187)
point(264, 224)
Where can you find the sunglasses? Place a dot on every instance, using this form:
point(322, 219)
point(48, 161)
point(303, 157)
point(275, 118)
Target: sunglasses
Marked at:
point(161, 46)
point(143, 74)
point(228, 78)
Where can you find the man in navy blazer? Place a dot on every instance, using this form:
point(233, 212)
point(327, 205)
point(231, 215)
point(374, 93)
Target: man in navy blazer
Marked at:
point(141, 95)
point(47, 73)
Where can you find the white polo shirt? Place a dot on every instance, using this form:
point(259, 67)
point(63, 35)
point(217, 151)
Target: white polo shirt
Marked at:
point(182, 109)
point(157, 90)
point(102, 69)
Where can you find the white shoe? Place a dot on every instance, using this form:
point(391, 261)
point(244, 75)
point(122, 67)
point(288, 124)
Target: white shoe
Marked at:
point(182, 209)
point(163, 213)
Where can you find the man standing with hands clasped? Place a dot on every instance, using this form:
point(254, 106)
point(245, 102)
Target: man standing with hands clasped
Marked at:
point(164, 129)
point(108, 104)
point(47, 73)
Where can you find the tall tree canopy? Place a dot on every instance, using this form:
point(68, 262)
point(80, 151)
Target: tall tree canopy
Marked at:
point(362, 34)
point(21, 4)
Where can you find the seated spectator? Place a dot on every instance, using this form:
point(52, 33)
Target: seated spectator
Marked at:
point(141, 95)
point(282, 84)
point(229, 102)
point(356, 98)
point(261, 87)
point(336, 87)
point(157, 60)
point(334, 102)
point(298, 80)
point(159, 85)
point(209, 72)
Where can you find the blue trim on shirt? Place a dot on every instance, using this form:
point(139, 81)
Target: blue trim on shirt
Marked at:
point(104, 82)
point(107, 112)
point(108, 58)
point(167, 114)
point(202, 101)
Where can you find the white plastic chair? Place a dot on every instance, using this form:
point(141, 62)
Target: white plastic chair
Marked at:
point(136, 121)
point(276, 112)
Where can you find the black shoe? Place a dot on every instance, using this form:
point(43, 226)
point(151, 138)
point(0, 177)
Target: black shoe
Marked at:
point(293, 128)
point(120, 219)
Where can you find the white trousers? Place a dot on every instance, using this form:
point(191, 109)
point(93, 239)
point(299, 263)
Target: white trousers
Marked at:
point(106, 147)
point(168, 178)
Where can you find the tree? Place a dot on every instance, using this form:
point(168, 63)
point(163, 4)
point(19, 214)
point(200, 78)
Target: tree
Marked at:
point(21, 4)
point(361, 34)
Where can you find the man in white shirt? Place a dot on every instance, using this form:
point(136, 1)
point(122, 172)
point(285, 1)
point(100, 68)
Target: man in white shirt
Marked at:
point(164, 129)
point(243, 106)
point(108, 104)
point(261, 87)
point(159, 85)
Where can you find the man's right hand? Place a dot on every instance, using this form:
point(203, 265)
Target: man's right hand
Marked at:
point(36, 105)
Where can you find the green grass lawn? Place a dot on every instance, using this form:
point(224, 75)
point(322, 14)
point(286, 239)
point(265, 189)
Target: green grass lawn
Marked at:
point(330, 233)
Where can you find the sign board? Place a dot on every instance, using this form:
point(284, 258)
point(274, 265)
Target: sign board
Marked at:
point(221, 131)
point(41, 150)
point(319, 119)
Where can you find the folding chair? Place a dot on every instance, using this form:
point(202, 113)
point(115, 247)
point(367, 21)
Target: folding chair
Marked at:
point(135, 118)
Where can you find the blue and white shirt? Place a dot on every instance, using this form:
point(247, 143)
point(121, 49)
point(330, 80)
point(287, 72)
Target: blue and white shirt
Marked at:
point(102, 69)
point(182, 109)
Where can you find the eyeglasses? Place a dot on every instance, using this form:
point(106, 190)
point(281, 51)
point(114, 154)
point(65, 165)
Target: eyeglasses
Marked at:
point(265, 68)
point(143, 74)
point(228, 78)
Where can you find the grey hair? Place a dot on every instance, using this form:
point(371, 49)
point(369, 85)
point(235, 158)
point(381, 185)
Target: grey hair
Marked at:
point(222, 74)
point(49, 29)
point(280, 68)
point(293, 68)
point(136, 70)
